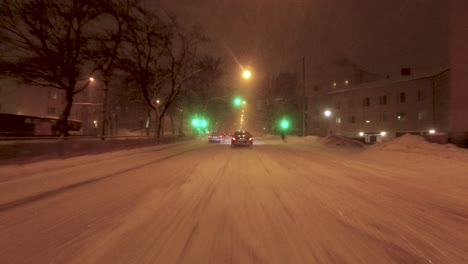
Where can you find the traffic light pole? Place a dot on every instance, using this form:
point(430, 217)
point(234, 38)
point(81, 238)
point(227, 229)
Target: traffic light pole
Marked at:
point(304, 100)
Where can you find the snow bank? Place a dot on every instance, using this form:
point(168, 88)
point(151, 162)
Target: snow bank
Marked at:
point(126, 132)
point(336, 140)
point(417, 144)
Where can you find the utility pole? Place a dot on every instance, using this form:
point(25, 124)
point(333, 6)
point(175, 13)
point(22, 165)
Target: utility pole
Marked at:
point(304, 100)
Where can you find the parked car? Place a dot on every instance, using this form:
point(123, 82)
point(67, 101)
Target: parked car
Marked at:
point(215, 137)
point(242, 138)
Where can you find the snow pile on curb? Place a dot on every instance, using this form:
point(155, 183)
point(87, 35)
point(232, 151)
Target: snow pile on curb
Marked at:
point(311, 138)
point(336, 140)
point(417, 144)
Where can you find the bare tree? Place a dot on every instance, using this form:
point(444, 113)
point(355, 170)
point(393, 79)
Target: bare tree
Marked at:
point(141, 54)
point(50, 40)
point(180, 62)
point(107, 45)
point(205, 85)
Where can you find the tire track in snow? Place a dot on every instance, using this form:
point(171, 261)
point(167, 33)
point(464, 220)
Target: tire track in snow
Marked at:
point(44, 195)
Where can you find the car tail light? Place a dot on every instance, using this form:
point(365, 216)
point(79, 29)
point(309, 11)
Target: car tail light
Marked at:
point(233, 138)
point(250, 138)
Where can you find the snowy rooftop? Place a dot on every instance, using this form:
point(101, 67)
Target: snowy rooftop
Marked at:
point(394, 80)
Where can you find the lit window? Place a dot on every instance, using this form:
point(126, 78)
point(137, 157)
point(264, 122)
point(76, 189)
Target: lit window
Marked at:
point(338, 120)
point(401, 116)
point(422, 115)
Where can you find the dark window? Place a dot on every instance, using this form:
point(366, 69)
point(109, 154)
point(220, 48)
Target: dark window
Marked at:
point(353, 119)
point(383, 117)
point(338, 105)
point(383, 100)
point(401, 116)
point(405, 71)
point(420, 96)
point(366, 101)
point(402, 97)
point(51, 111)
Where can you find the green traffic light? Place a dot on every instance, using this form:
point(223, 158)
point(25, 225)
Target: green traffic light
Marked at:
point(204, 123)
point(237, 101)
point(195, 122)
point(284, 124)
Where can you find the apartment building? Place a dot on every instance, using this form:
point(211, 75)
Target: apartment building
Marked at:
point(387, 108)
point(22, 99)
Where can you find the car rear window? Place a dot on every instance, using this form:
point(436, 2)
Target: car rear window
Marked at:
point(241, 133)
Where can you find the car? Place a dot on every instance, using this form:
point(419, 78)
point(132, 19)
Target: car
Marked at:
point(215, 137)
point(242, 138)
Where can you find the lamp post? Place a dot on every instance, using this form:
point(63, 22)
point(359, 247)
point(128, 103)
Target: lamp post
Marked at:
point(304, 100)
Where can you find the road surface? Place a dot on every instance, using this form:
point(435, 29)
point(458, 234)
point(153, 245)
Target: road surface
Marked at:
point(195, 202)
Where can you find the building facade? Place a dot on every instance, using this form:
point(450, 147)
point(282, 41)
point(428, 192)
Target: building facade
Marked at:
point(22, 99)
point(384, 109)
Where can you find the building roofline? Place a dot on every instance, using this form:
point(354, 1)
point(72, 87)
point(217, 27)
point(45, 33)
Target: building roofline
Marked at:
point(391, 81)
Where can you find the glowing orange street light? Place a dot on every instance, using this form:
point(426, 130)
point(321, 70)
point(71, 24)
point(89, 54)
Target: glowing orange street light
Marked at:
point(246, 74)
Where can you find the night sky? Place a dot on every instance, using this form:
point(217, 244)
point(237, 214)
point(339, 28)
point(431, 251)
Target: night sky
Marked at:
point(379, 36)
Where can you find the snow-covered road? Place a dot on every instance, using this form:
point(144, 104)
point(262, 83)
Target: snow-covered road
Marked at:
point(193, 202)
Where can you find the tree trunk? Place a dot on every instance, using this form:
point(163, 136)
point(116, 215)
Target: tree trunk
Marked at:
point(104, 110)
point(172, 124)
point(156, 125)
point(64, 127)
point(160, 125)
point(181, 124)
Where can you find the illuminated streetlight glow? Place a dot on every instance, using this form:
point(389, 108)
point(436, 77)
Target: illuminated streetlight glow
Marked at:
point(91, 79)
point(361, 134)
point(246, 74)
point(432, 131)
point(327, 113)
point(383, 133)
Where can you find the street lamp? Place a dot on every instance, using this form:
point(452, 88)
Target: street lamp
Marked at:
point(327, 113)
point(246, 74)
